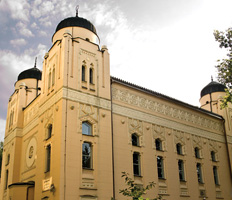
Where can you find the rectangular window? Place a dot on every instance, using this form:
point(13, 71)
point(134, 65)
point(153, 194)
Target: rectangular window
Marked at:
point(136, 164)
point(86, 155)
point(215, 174)
point(48, 158)
point(160, 167)
point(181, 170)
point(199, 173)
point(6, 179)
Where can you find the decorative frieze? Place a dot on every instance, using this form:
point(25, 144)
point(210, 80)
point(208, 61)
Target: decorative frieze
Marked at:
point(167, 110)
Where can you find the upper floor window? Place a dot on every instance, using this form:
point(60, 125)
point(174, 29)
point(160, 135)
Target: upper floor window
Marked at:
point(6, 179)
point(86, 155)
point(199, 173)
point(181, 170)
point(158, 144)
point(86, 128)
point(49, 80)
point(179, 149)
point(160, 167)
point(215, 174)
point(213, 156)
point(135, 139)
point(49, 131)
point(53, 77)
point(8, 159)
point(136, 164)
point(197, 152)
point(91, 75)
point(48, 158)
point(83, 73)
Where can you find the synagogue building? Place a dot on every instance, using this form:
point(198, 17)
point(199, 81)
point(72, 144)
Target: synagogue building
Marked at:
point(72, 129)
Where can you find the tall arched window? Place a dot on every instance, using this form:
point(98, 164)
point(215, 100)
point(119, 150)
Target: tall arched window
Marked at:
point(48, 158)
point(49, 131)
point(197, 152)
point(136, 164)
point(49, 80)
point(87, 155)
point(213, 156)
point(160, 167)
point(53, 77)
point(83, 72)
point(91, 75)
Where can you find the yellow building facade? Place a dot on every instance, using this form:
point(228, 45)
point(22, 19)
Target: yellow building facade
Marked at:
point(72, 129)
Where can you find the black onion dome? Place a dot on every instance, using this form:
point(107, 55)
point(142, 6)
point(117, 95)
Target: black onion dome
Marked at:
point(30, 73)
point(78, 22)
point(212, 87)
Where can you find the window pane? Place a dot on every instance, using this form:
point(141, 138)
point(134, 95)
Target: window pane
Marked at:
point(179, 149)
point(86, 155)
point(215, 174)
point(135, 140)
point(86, 128)
point(181, 170)
point(197, 152)
point(91, 75)
point(48, 158)
point(49, 131)
point(199, 173)
point(83, 73)
point(136, 164)
point(213, 157)
point(160, 168)
point(158, 144)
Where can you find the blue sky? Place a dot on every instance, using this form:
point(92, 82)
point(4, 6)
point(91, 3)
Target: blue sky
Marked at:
point(164, 45)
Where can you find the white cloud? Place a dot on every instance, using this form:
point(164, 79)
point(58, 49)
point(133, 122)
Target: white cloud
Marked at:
point(18, 42)
point(18, 9)
point(34, 25)
point(43, 33)
point(23, 30)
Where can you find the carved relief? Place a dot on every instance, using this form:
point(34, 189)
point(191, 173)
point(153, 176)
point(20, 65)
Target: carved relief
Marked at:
point(83, 51)
point(31, 152)
point(160, 107)
point(158, 132)
point(135, 126)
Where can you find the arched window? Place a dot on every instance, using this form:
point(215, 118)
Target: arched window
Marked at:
point(49, 80)
point(181, 170)
point(86, 128)
point(199, 173)
point(136, 164)
point(91, 75)
point(179, 149)
point(213, 156)
point(53, 77)
point(49, 131)
point(48, 158)
point(135, 139)
point(83, 72)
point(215, 174)
point(197, 152)
point(87, 155)
point(160, 167)
point(158, 144)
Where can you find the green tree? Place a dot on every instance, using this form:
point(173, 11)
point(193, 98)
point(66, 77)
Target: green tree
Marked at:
point(224, 66)
point(133, 190)
point(1, 150)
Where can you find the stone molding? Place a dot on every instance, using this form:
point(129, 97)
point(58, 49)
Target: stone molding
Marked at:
point(131, 113)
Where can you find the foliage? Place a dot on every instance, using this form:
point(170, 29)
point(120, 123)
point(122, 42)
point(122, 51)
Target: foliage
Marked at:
point(224, 66)
point(1, 150)
point(133, 190)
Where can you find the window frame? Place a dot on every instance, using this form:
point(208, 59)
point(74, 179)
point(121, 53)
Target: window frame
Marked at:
point(89, 156)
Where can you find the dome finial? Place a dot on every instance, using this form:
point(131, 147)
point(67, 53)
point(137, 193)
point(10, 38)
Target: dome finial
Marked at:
point(35, 62)
point(77, 8)
point(211, 78)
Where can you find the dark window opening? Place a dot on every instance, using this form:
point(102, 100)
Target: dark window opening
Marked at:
point(213, 156)
point(199, 173)
point(48, 158)
point(158, 145)
point(160, 167)
point(86, 155)
point(181, 170)
point(136, 164)
point(83, 73)
point(179, 149)
point(135, 139)
point(197, 152)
